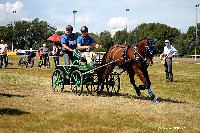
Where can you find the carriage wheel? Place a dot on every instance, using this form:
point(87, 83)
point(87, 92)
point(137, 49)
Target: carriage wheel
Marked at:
point(32, 63)
point(76, 80)
point(113, 85)
point(92, 87)
point(58, 81)
point(20, 63)
point(26, 63)
point(48, 64)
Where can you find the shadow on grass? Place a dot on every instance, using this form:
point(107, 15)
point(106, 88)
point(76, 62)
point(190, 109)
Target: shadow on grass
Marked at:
point(12, 68)
point(11, 95)
point(11, 111)
point(126, 95)
point(182, 81)
point(169, 100)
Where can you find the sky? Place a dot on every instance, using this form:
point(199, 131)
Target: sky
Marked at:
point(101, 15)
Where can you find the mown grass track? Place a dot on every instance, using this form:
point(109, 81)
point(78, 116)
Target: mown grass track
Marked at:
point(27, 103)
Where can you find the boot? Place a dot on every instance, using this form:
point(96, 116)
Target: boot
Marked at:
point(167, 76)
point(171, 77)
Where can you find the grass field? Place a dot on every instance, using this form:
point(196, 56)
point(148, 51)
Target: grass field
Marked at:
point(28, 104)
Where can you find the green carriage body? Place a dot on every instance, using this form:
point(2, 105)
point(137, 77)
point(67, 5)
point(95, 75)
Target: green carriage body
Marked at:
point(80, 74)
point(75, 75)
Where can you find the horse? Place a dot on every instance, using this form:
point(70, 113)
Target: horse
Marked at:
point(134, 59)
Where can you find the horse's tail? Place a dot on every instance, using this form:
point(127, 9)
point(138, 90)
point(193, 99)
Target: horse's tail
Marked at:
point(100, 71)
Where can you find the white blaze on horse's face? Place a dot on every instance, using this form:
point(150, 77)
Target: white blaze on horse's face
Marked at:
point(150, 51)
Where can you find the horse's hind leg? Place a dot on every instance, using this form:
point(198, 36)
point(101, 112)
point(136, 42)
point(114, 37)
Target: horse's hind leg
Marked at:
point(105, 74)
point(144, 77)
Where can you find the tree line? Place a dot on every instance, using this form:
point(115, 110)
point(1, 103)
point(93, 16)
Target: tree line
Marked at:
point(31, 34)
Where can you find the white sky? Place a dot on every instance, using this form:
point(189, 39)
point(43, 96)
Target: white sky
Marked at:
point(100, 15)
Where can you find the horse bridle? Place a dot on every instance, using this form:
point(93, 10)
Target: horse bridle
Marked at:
point(149, 51)
point(138, 57)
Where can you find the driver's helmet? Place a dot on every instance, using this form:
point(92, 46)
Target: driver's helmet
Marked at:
point(84, 29)
point(69, 27)
point(44, 45)
point(167, 42)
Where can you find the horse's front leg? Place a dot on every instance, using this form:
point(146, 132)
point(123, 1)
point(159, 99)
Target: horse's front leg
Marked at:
point(132, 80)
point(144, 77)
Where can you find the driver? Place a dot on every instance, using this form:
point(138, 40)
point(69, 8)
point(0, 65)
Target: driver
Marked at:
point(84, 44)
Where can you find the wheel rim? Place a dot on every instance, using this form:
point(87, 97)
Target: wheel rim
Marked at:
point(57, 81)
point(76, 82)
point(113, 85)
point(92, 86)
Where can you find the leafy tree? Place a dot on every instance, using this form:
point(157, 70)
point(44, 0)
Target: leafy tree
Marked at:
point(3, 32)
point(60, 32)
point(120, 37)
point(157, 31)
point(25, 34)
point(105, 40)
point(190, 40)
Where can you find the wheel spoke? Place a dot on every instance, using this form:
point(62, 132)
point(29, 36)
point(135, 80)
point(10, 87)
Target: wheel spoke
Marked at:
point(57, 80)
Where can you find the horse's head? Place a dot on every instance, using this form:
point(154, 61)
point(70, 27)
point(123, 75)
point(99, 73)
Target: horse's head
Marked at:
point(147, 49)
point(150, 50)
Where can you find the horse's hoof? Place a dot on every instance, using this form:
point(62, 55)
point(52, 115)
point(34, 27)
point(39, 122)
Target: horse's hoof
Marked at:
point(99, 92)
point(141, 96)
point(155, 100)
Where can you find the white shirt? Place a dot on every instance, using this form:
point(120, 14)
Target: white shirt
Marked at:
point(2, 48)
point(170, 50)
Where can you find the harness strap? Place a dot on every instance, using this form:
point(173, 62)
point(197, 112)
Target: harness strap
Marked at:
point(125, 54)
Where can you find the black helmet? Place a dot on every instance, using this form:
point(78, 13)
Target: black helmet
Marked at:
point(84, 29)
point(69, 27)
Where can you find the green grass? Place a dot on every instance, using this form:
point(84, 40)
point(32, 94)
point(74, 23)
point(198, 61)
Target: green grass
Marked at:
point(28, 104)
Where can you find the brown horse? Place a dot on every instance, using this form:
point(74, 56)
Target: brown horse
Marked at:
point(134, 59)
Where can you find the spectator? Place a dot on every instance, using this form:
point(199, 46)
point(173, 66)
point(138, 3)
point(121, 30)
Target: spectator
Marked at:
point(44, 58)
point(166, 56)
point(3, 53)
point(57, 50)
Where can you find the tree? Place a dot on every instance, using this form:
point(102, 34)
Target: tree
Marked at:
point(60, 32)
point(120, 37)
point(3, 32)
point(39, 31)
point(25, 34)
point(190, 40)
point(155, 31)
point(105, 40)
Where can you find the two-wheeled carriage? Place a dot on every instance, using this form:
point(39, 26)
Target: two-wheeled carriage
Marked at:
point(81, 75)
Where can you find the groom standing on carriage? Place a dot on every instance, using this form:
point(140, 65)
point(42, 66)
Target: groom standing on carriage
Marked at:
point(68, 41)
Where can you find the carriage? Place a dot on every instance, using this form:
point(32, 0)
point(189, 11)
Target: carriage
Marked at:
point(81, 76)
point(27, 59)
point(134, 59)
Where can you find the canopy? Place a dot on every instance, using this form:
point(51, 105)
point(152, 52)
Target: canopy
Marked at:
point(54, 38)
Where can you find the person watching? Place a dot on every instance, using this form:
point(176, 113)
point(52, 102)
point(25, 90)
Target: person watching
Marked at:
point(166, 56)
